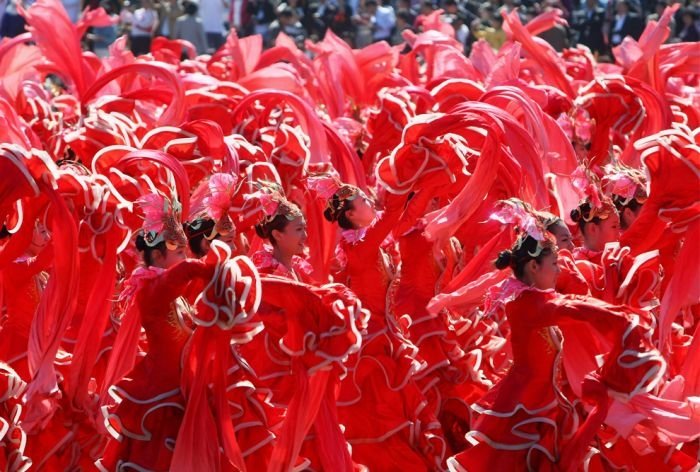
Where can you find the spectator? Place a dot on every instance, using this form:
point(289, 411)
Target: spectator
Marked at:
point(383, 20)
point(341, 22)
point(494, 35)
point(72, 7)
point(405, 5)
point(299, 9)
point(103, 36)
point(688, 28)
point(403, 23)
point(143, 25)
point(287, 23)
point(588, 24)
point(557, 36)
point(126, 17)
point(461, 29)
point(170, 12)
point(262, 13)
point(12, 22)
point(624, 24)
point(321, 13)
point(191, 28)
point(427, 7)
point(212, 13)
point(363, 25)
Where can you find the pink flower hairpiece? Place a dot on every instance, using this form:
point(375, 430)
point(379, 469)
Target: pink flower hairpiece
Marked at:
point(272, 202)
point(324, 185)
point(516, 212)
point(519, 213)
point(624, 182)
point(162, 221)
point(222, 188)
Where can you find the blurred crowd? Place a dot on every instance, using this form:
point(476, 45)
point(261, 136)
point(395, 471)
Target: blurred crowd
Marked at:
point(598, 24)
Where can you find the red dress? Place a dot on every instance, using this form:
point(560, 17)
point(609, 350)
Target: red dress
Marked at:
point(615, 276)
point(23, 283)
point(12, 438)
point(385, 414)
point(445, 379)
point(148, 403)
point(298, 358)
point(526, 421)
point(260, 381)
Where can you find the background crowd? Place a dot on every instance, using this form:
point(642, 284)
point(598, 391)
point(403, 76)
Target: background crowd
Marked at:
point(599, 25)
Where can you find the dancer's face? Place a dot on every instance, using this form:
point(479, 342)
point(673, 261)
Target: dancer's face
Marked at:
point(628, 216)
point(362, 212)
point(543, 273)
point(563, 236)
point(40, 239)
point(597, 235)
point(169, 258)
point(292, 239)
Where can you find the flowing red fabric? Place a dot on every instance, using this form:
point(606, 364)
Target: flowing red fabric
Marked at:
point(641, 59)
point(303, 113)
point(225, 314)
point(93, 325)
point(553, 71)
point(182, 182)
point(175, 111)
point(47, 21)
point(53, 315)
point(320, 335)
point(207, 423)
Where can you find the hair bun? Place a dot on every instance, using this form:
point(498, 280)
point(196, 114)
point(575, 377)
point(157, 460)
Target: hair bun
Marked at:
point(504, 259)
point(141, 243)
point(261, 230)
point(330, 213)
point(575, 215)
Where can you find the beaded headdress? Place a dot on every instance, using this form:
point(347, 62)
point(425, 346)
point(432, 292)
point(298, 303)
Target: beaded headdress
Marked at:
point(162, 221)
point(527, 223)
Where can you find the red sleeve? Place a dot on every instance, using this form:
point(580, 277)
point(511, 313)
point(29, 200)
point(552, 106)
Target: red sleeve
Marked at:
point(632, 365)
point(376, 235)
point(172, 282)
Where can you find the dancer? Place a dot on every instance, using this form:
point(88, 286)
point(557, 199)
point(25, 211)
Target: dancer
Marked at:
point(148, 405)
point(526, 419)
point(385, 413)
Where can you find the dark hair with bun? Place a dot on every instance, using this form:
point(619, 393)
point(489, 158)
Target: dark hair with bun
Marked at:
point(339, 204)
point(147, 250)
point(338, 216)
point(196, 231)
point(521, 253)
point(581, 215)
point(622, 203)
point(265, 229)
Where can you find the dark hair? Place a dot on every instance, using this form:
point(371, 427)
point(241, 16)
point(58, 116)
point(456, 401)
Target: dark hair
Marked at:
point(370, 3)
point(405, 15)
point(553, 222)
point(520, 254)
point(687, 11)
point(265, 229)
point(196, 231)
point(334, 214)
point(191, 8)
point(286, 12)
point(4, 233)
point(621, 204)
point(147, 250)
point(581, 215)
